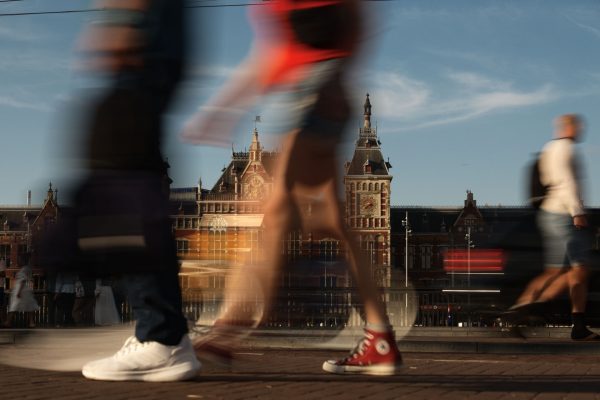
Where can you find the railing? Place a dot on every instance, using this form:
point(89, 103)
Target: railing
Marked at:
point(333, 308)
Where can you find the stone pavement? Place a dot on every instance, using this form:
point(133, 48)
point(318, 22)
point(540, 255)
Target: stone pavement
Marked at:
point(45, 365)
point(287, 374)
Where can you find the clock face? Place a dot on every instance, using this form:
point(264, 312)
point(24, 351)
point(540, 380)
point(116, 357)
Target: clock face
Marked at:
point(369, 204)
point(254, 188)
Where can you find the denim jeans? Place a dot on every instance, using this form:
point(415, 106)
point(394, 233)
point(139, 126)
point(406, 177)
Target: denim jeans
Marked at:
point(155, 298)
point(564, 245)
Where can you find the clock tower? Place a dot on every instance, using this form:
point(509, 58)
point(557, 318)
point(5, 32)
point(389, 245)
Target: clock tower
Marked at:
point(367, 186)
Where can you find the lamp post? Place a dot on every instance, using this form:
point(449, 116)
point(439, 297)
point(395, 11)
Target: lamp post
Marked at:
point(407, 232)
point(469, 244)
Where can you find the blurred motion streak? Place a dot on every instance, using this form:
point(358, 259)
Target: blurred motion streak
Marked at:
point(474, 261)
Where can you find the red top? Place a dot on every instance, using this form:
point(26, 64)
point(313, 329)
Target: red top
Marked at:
point(283, 55)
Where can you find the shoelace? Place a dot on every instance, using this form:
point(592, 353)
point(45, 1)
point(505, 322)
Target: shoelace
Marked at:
point(362, 344)
point(131, 344)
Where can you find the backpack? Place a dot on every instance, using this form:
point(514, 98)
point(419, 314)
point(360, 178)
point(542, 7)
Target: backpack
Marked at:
point(537, 190)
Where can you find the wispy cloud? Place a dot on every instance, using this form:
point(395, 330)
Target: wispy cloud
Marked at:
point(397, 95)
point(460, 96)
point(16, 61)
point(588, 28)
point(20, 35)
point(14, 102)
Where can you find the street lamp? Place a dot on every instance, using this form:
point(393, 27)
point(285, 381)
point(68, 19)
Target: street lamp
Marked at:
point(407, 232)
point(469, 244)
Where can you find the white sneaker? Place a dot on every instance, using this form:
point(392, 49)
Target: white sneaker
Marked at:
point(146, 361)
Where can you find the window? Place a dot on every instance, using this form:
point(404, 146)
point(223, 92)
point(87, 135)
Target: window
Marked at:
point(22, 249)
point(182, 246)
point(294, 245)
point(328, 250)
point(329, 281)
point(426, 251)
point(5, 253)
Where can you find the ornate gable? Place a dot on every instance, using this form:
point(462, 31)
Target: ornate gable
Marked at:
point(470, 216)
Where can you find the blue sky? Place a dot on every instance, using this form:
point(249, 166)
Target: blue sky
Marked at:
point(463, 93)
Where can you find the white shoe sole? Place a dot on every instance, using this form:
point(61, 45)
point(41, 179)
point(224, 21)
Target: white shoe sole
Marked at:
point(179, 372)
point(381, 370)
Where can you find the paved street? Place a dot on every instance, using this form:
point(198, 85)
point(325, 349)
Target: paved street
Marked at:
point(263, 373)
point(297, 375)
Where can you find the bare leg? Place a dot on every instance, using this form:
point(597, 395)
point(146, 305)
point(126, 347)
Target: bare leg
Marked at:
point(555, 288)
point(30, 320)
point(553, 282)
point(578, 277)
point(373, 305)
point(313, 167)
point(307, 167)
point(536, 288)
point(241, 295)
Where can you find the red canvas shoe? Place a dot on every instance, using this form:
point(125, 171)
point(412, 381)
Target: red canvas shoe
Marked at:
point(375, 354)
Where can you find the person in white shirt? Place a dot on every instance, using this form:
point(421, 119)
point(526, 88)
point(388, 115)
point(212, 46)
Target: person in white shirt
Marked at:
point(562, 222)
point(22, 299)
point(106, 311)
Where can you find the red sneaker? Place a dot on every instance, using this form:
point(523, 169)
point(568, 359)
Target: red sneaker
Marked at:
point(375, 354)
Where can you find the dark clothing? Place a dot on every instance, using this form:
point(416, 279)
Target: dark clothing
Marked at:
point(126, 124)
point(128, 176)
point(123, 223)
point(120, 222)
point(83, 307)
point(83, 311)
point(156, 303)
point(64, 309)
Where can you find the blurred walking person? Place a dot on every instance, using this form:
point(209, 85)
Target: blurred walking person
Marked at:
point(120, 219)
point(563, 225)
point(105, 312)
point(83, 308)
point(64, 299)
point(302, 48)
point(21, 296)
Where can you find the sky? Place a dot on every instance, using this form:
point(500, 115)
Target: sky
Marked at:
point(463, 93)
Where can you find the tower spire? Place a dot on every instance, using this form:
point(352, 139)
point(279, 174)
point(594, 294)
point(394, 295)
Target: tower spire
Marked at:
point(255, 147)
point(367, 113)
